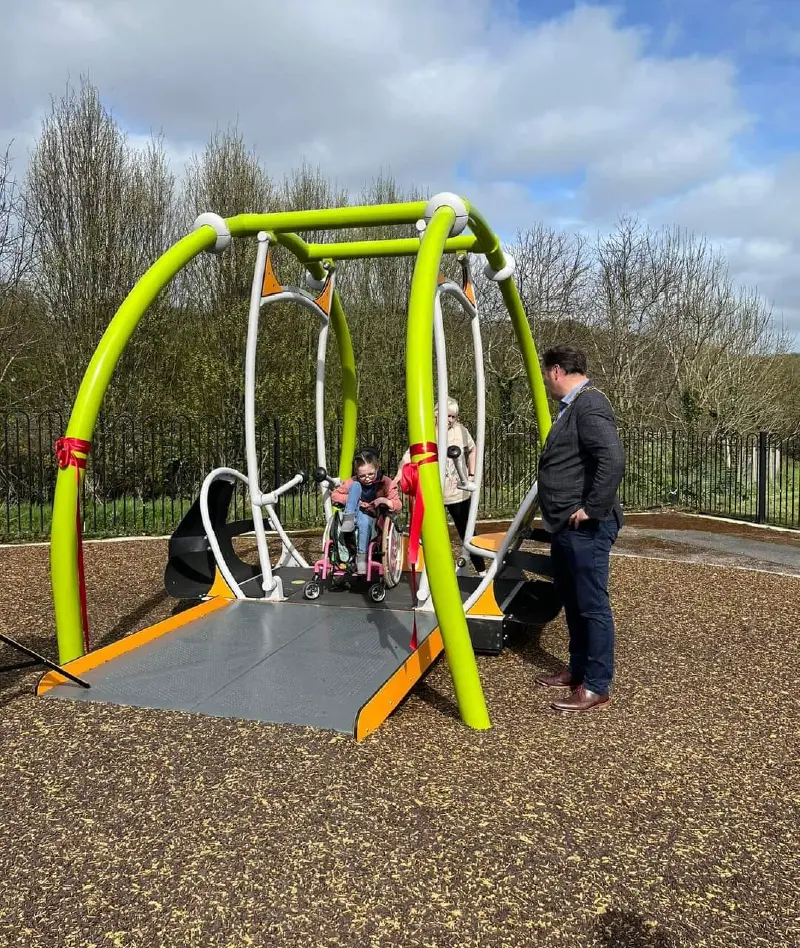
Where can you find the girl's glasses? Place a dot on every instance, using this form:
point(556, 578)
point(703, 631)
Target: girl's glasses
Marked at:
point(370, 476)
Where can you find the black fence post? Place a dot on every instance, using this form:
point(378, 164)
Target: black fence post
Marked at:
point(673, 490)
point(761, 509)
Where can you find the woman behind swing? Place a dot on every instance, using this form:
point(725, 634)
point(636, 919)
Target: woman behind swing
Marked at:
point(456, 500)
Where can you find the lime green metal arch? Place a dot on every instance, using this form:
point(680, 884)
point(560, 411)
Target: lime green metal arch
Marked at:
point(421, 428)
point(64, 534)
point(284, 228)
point(497, 261)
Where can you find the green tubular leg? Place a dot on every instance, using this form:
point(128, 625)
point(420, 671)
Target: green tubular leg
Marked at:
point(64, 535)
point(435, 534)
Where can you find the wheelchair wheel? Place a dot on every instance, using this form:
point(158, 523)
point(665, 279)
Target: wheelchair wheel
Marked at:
point(377, 592)
point(312, 590)
point(392, 554)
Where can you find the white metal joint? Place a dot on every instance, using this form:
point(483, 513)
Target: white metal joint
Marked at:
point(455, 203)
point(219, 226)
point(503, 273)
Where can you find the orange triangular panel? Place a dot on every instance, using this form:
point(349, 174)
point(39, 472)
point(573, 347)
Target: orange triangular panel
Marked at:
point(325, 298)
point(270, 286)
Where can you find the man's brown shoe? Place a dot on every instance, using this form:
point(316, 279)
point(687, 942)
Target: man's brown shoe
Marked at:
point(582, 699)
point(562, 679)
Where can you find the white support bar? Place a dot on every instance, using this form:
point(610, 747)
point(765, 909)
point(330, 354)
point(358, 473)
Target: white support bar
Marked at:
point(516, 523)
point(271, 498)
point(453, 289)
point(272, 587)
point(288, 551)
point(291, 294)
point(231, 475)
point(442, 397)
point(442, 391)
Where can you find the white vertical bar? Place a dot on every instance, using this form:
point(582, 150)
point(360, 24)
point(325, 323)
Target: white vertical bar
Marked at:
point(267, 582)
point(319, 396)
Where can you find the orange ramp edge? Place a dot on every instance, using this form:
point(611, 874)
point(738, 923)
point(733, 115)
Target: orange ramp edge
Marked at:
point(130, 642)
point(384, 701)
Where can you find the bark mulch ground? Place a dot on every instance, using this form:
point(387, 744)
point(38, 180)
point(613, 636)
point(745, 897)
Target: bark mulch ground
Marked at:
point(669, 820)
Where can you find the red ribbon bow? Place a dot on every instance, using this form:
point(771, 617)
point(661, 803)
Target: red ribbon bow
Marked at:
point(409, 484)
point(73, 452)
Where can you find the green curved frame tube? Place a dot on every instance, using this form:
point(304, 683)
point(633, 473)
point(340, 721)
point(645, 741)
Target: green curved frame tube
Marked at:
point(283, 227)
point(435, 534)
point(496, 258)
point(64, 536)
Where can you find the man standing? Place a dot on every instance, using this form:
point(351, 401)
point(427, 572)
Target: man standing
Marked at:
point(580, 469)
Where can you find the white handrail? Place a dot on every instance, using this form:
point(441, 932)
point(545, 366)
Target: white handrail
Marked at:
point(516, 523)
point(229, 474)
point(449, 288)
point(268, 584)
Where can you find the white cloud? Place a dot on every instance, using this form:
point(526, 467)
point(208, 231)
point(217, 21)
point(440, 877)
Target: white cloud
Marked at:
point(411, 84)
point(750, 216)
point(425, 89)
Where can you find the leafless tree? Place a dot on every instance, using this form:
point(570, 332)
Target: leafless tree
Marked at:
point(102, 211)
point(675, 342)
point(552, 271)
point(16, 339)
point(228, 179)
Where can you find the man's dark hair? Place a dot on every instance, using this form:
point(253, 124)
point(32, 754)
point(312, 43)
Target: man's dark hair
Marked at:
point(570, 359)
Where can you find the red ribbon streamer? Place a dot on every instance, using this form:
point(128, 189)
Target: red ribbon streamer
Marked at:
point(72, 452)
point(409, 484)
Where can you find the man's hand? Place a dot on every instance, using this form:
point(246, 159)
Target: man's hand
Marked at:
point(578, 518)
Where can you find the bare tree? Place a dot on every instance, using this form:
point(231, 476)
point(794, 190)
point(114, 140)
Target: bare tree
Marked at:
point(674, 341)
point(552, 271)
point(18, 336)
point(102, 212)
point(227, 179)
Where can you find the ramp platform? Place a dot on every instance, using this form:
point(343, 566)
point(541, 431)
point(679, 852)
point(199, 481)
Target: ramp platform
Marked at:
point(341, 663)
point(330, 666)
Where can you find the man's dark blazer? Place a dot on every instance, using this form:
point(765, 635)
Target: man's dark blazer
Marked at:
point(582, 462)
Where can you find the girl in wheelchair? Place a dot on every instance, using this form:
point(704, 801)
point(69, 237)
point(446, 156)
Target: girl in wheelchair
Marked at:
point(365, 496)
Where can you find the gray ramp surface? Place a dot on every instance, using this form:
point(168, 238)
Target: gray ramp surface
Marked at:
point(285, 663)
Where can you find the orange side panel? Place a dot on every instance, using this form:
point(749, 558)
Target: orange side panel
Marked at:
point(486, 605)
point(381, 705)
point(220, 588)
point(270, 286)
point(325, 298)
point(130, 642)
point(469, 292)
point(420, 558)
point(488, 541)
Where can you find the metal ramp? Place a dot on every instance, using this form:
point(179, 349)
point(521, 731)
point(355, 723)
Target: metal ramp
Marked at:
point(341, 663)
point(324, 665)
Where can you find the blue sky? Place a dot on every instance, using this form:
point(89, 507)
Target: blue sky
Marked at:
point(684, 113)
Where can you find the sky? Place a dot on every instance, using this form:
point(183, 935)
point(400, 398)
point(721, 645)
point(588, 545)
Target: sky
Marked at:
point(684, 112)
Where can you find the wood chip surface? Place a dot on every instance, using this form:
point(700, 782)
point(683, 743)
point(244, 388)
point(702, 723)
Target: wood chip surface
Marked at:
point(669, 820)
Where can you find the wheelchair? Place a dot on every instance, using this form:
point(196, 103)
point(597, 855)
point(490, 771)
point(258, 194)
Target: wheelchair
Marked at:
point(336, 568)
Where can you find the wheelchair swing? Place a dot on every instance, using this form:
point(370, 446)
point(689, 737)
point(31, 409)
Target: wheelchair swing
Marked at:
point(337, 568)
